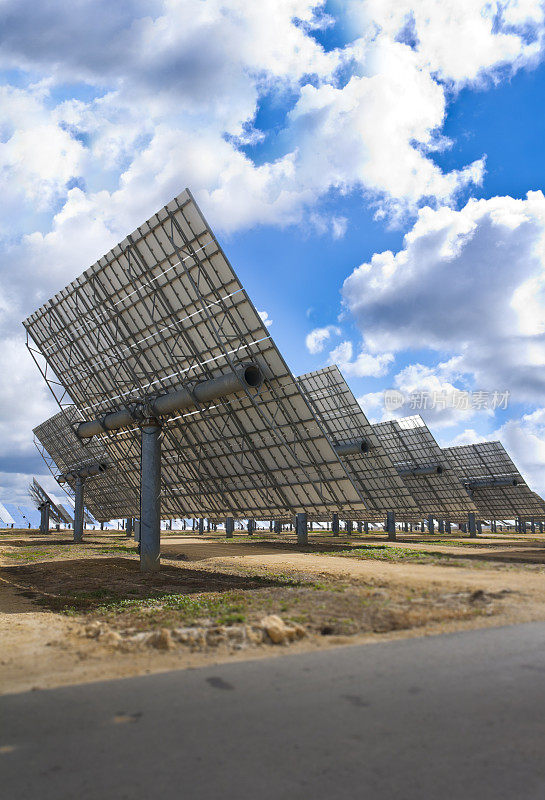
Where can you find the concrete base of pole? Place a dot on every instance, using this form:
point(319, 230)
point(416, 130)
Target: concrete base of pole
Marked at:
point(391, 525)
point(301, 528)
point(448, 527)
point(229, 527)
point(277, 526)
point(150, 498)
point(441, 526)
point(201, 525)
point(471, 524)
point(431, 525)
point(335, 525)
point(366, 527)
point(348, 526)
point(359, 527)
point(250, 527)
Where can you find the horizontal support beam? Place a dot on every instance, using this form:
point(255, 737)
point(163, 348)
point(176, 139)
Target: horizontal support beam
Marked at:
point(249, 376)
point(352, 448)
point(86, 471)
point(490, 483)
point(437, 470)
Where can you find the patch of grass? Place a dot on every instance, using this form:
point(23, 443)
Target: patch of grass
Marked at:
point(382, 552)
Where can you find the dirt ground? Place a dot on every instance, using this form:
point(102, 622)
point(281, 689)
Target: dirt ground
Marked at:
point(74, 613)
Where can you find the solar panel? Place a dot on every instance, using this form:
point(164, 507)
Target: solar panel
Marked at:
point(109, 494)
point(163, 310)
point(5, 516)
point(41, 497)
point(425, 469)
point(372, 471)
point(493, 481)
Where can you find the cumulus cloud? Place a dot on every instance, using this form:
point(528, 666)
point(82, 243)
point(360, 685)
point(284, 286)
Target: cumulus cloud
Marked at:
point(316, 340)
point(265, 318)
point(363, 365)
point(463, 41)
point(470, 283)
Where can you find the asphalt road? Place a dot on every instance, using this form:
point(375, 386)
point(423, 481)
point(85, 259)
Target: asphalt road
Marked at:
point(458, 716)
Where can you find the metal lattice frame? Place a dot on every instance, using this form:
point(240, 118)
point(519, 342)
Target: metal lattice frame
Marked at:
point(165, 309)
point(39, 496)
point(410, 445)
point(490, 461)
point(373, 472)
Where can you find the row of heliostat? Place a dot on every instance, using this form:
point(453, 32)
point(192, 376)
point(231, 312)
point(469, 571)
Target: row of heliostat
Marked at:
point(163, 311)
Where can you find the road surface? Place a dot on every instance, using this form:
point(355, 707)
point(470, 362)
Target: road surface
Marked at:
point(456, 716)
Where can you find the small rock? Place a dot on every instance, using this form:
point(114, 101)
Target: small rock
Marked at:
point(254, 635)
point(277, 630)
point(161, 640)
point(300, 631)
point(93, 629)
point(216, 635)
point(110, 637)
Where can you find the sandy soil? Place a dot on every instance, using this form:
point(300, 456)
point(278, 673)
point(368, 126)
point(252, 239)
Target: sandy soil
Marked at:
point(41, 648)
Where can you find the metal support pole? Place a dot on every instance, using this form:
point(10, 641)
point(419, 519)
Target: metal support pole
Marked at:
point(431, 525)
point(479, 526)
point(406, 527)
point(128, 527)
point(46, 518)
point(250, 527)
point(471, 525)
point(78, 510)
point(348, 526)
point(335, 525)
point(541, 527)
point(201, 525)
point(441, 526)
point(365, 526)
point(391, 525)
point(359, 526)
point(277, 526)
point(448, 527)
point(532, 525)
point(301, 528)
point(229, 527)
point(522, 525)
point(150, 498)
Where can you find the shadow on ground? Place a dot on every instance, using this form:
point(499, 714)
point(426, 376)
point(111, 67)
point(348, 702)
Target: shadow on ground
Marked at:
point(84, 584)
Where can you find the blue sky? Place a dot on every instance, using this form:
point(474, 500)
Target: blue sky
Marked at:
point(365, 164)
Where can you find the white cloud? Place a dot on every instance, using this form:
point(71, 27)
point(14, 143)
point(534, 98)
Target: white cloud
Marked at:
point(364, 365)
point(470, 283)
point(463, 40)
point(316, 340)
point(265, 318)
point(199, 71)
